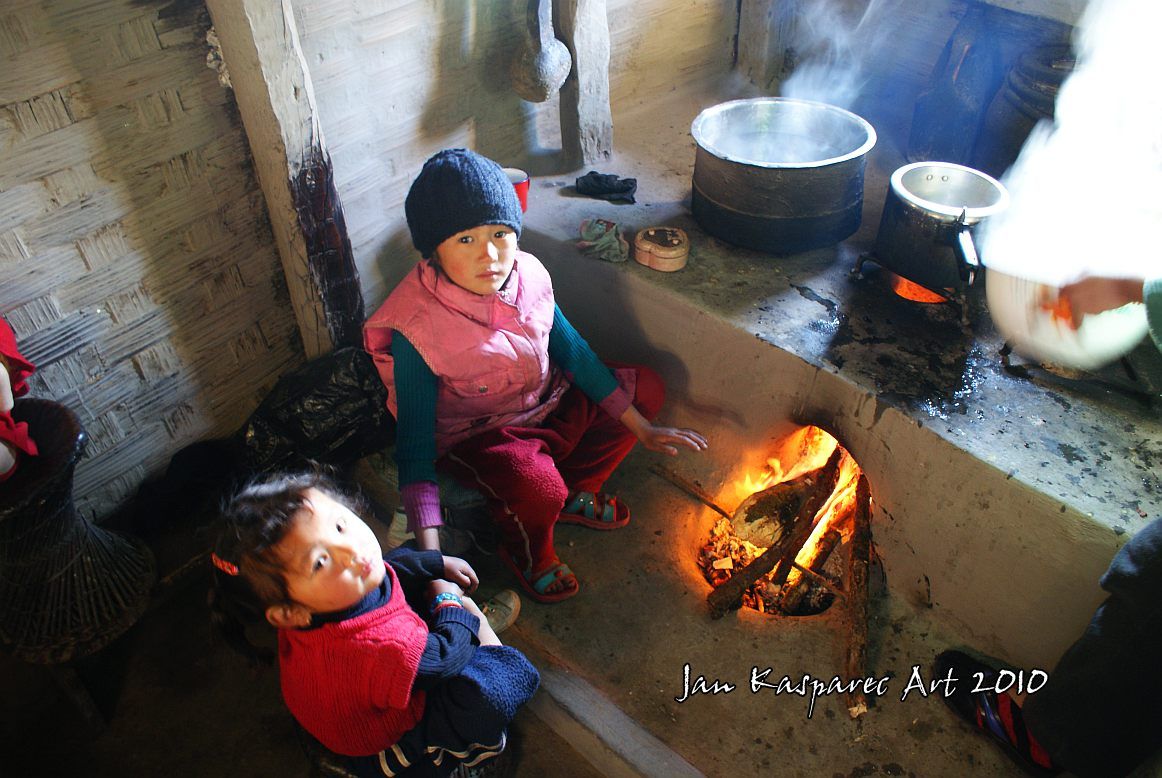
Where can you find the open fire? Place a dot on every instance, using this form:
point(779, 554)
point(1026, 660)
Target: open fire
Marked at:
point(806, 496)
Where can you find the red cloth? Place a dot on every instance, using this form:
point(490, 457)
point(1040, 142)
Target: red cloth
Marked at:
point(349, 683)
point(19, 368)
point(15, 434)
point(528, 472)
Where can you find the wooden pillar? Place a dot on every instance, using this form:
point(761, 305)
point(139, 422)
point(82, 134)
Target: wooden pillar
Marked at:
point(586, 118)
point(272, 86)
point(765, 53)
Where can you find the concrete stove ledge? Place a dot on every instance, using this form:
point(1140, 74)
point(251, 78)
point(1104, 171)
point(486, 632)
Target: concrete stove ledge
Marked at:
point(1000, 499)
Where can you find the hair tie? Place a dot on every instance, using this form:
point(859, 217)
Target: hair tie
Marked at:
point(229, 568)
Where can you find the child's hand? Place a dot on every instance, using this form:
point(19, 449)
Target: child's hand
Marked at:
point(460, 572)
point(485, 633)
point(439, 586)
point(665, 439)
point(661, 439)
point(471, 606)
point(5, 387)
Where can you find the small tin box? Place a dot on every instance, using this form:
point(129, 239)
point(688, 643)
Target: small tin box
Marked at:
point(662, 248)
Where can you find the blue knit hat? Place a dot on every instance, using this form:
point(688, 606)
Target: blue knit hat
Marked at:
point(457, 190)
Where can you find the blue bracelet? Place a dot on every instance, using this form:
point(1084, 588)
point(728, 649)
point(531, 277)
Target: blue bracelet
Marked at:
point(444, 597)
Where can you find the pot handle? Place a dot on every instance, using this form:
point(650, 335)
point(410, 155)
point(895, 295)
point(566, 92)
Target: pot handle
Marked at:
point(966, 249)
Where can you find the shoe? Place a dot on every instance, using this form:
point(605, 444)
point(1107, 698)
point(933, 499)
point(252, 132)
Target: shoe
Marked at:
point(538, 586)
point(996, 715)
point(501, 610)
point(595, 510)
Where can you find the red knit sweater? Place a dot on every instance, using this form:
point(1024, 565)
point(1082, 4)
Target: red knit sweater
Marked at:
point(350, 683)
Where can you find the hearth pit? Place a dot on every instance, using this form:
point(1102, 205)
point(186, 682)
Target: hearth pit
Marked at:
point(808, 489)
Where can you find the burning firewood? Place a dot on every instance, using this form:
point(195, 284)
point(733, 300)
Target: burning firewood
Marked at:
point(767, 515)
point(793, 592)
point(727, 596)
point(859, 553)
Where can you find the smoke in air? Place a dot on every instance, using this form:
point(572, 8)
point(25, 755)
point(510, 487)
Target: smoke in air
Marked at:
point(833, 43)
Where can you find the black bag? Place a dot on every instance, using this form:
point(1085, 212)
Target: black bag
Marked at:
point(332, 410)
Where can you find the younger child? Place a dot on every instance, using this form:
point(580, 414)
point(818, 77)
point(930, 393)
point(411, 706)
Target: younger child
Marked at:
point(360, 668)
point(490, 383)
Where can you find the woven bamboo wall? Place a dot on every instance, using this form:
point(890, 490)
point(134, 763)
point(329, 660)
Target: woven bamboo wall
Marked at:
point(395, 82)
point(136, 262)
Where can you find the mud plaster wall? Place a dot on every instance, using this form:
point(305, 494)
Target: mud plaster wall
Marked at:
point(395, 84)
point(136, 263)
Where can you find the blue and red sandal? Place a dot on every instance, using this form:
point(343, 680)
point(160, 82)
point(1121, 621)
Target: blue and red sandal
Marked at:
point(595, 510)
point(996, 715)
point(538, 583)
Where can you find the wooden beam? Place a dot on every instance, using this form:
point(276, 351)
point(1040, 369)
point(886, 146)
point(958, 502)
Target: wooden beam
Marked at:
point(764, 53)
point(858, 563)
point(275, 97)
point(586, 118)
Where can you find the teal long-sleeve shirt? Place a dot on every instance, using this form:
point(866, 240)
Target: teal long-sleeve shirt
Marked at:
point(415, 447)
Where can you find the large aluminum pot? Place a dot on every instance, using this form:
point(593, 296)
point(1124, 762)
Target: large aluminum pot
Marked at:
point(778, 174)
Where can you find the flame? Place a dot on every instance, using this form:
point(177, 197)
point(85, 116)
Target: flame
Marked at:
point(807, 449)
point(913, 291)
point(835, 514)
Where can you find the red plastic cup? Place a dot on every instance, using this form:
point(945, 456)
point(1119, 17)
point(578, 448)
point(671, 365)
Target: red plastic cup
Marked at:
point(520, 182)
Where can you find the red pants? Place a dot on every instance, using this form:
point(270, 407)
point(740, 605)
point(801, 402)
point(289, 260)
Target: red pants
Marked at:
point(527, 473)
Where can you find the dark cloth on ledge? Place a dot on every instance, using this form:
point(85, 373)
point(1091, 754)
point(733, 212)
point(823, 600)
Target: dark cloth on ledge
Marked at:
point(606, 186)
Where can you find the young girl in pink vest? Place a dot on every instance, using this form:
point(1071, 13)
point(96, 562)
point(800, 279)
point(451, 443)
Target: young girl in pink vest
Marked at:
point(381, 659)
point(490, 383)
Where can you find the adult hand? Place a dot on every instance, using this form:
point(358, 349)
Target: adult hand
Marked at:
point(460, 572)
point(1094, 294)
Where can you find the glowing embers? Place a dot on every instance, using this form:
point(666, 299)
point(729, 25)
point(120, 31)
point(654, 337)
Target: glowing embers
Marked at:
point(807, 502)
point(913, 291)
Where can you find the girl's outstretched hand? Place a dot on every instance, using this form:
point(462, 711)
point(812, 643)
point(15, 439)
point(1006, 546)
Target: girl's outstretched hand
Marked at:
point(664, 440)
point(460, 572)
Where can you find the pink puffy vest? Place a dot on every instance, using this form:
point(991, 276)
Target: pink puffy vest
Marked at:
point(489, 352)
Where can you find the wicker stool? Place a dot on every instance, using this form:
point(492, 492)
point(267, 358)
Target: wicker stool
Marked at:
point(67, 587)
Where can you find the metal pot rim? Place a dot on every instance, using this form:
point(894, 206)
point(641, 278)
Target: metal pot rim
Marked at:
point(708, 114)
point(948, 212)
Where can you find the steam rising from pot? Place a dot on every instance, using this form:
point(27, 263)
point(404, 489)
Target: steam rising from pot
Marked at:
point(1086, 188)
point(831, 44)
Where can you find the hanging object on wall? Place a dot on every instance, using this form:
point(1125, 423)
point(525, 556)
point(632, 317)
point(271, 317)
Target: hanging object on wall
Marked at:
point(542, 64)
